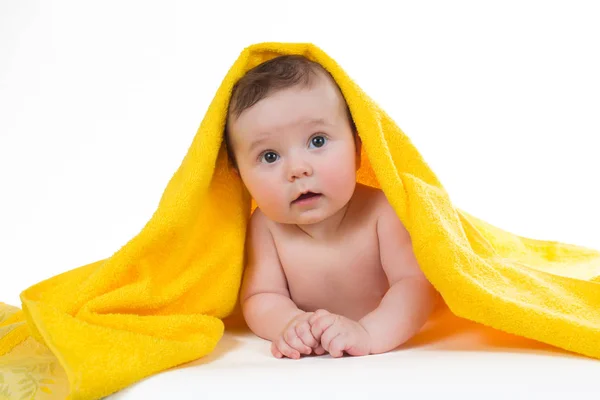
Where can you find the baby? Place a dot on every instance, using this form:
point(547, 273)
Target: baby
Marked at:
point(330, 267)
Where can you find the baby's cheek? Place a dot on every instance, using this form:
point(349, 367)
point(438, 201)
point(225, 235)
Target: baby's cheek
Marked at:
point(266, 195)
point(340, 180)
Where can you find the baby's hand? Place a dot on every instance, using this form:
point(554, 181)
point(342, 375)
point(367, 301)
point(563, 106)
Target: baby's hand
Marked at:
point(296, 339)
point(338, 334)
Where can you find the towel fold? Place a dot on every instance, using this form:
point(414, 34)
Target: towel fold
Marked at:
point(159, 301)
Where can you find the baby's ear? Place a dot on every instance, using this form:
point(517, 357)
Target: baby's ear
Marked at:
point(358, 146)
point(233, 168)
point(230, 163)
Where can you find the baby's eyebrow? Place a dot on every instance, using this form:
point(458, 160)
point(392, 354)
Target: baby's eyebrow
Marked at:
point(257, 142)
point(265, 137)
point(317, 121)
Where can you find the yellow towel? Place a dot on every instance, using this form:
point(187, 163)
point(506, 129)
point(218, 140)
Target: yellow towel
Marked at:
point(159, 301)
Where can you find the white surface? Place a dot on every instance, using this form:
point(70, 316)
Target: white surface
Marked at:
point(472, 362)
point(99, 102)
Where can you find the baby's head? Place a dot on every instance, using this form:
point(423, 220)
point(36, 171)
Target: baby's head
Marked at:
point(290, 136)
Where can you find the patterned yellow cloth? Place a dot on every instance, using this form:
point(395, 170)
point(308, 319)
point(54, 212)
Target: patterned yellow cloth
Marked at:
point(30, 370)
point(160, 299)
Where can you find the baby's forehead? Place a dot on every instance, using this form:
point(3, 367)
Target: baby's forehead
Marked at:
point(295, 107)
point(252, 133)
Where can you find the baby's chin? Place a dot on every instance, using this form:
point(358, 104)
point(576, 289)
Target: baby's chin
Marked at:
point(308, 220)
point(305, 218)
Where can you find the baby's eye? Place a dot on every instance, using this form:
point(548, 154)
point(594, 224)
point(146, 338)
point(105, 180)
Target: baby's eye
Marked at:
point(318, 141)
point(269, 157)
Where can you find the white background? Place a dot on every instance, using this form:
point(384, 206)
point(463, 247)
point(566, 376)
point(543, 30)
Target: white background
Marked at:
point(99, 102)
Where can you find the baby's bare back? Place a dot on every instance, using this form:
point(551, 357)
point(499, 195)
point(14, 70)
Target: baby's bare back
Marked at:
point(343, 275)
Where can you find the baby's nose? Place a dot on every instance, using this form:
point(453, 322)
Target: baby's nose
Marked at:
point(298, 169)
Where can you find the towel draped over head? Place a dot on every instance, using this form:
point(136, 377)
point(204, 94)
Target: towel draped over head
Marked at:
point(159, 301)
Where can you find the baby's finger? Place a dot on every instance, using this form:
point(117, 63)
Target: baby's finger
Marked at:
point(319, 350)
point(275, 351)
point(292, 339)
point(337, 345)
point(321, 325)
point(305, 335)
point(316, 315)
point(286, 350)
point(328, 336)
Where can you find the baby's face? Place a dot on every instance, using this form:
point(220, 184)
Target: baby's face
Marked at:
point(297, 141)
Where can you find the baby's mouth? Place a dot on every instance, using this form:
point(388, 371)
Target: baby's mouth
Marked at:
point(305, 196)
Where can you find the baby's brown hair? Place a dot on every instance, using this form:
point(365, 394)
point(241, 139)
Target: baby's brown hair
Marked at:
point(275, 74)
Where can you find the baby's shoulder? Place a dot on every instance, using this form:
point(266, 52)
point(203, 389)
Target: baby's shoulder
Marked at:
point(258, 224)
point(375, 202)
point(371, 198)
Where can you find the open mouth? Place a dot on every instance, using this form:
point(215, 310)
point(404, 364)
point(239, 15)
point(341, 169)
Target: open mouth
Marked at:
point(306, 196)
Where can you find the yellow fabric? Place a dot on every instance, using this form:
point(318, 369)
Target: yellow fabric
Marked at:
point(159, 301)
point(31, 371)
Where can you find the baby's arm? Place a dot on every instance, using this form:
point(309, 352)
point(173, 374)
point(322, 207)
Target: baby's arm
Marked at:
point(264, 297)
point(410, 299)
point(266, 304)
